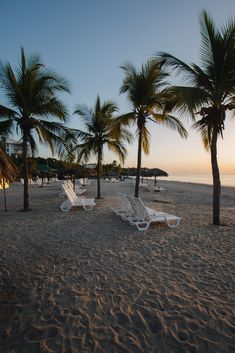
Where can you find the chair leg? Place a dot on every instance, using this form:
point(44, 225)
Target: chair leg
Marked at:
point(142, 226)
point(174, 225)
point(66, 206)
point(88, 208)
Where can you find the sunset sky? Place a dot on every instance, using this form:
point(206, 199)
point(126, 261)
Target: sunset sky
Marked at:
point(87, 41)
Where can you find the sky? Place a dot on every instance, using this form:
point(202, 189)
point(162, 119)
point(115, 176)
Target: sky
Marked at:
point(87, 41)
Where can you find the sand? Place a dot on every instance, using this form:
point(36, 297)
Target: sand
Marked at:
point(90, 282)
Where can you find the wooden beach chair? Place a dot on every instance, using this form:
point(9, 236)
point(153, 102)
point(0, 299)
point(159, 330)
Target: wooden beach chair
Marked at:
point(143, 216)
point(75, 201)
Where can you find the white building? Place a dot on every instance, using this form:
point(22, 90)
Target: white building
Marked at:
point(13, 147)
point(90, 165)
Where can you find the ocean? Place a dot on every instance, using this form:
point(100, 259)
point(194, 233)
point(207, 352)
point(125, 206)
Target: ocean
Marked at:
point(226, 179)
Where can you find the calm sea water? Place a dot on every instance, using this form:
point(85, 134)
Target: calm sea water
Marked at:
point(226, 180)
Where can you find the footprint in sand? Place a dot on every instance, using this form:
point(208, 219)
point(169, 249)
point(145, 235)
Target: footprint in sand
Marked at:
point(193, 326)
point(153, 323)
point(155, 326)
point(38, 334)
point(52, 346)
point(122, 318)
point(182, 335)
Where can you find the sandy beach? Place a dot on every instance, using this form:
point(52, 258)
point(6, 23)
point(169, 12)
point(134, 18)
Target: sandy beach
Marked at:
point(89, 282)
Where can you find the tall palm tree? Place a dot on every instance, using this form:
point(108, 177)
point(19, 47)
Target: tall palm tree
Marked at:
point(31, 91)
point(8, 172)
point(102, 130)
point(145, 91)
point(209, 90)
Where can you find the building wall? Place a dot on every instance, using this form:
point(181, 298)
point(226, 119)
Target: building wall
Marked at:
point(14, 149)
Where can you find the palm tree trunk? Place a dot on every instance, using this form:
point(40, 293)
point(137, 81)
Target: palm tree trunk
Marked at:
point(137, 182)
point(216, 179)
point(99, 174)
point(25, 173)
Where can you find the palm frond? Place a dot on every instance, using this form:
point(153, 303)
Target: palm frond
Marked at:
point(6, 127)
point(8, 170)
point(146, 141)
point(169, 61)
point(101, 128)
point(31, 90)
point(185, 99)
point(118, 148)
point(172, 122)
point(205, 132)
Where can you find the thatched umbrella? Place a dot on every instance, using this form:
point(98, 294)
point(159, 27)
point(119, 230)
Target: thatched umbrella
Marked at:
point(154, 172)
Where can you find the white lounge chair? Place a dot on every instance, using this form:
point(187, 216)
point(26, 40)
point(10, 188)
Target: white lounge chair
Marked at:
point(159, 189)
point(143, 216)
point(55, 179)
point(156, 188)
point(114, 180)
point(85, 181)
point(75, 201)
point(78, 190)
point(143, 185)
point(31, 182)
point(39, 182)
point(123, 209)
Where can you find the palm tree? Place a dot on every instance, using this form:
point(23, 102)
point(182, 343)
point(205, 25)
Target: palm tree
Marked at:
point(209, 90)
point(31, 91)
point(149, 103)
point(102, 130)
point(8, 173)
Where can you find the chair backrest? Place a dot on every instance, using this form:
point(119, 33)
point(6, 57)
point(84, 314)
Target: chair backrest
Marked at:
point(135, 210)
point(30, 181)
point(124, 203)
point(141, 208)
point(39, 181)
point(69, 192)
point(143, 185)
point(83, 181)
point(68, 182)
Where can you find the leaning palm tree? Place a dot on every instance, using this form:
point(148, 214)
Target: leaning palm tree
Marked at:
point(31, 91)
point(149, 103)
point(8, 173)
point(102, 130)
point(209, 90)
